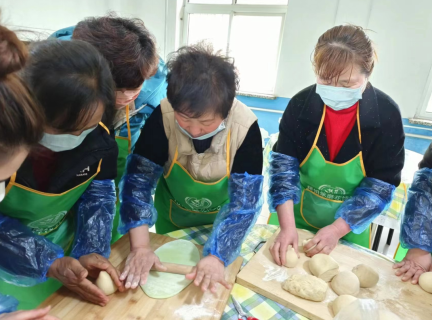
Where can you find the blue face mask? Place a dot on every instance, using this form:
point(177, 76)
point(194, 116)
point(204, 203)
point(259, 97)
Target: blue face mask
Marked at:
point(63, 142)
point(207, 135)
point(339, 98)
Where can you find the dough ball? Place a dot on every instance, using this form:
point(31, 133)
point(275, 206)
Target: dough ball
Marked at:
point(306, 286)
point(304, 243)
point(387, 315)
point(368, 277)
point(105, 283)
point(341, 302)
point(346, 282)
point(291, 258)
point(323, 266)
point(425, 281)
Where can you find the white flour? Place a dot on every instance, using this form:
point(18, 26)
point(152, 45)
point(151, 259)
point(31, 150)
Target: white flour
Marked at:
point(194, 311)
point(273, 272)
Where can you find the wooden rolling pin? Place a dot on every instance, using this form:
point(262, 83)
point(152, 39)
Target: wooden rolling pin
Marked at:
point(175, 268)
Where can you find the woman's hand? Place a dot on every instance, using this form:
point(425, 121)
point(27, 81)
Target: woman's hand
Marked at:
point(73, 275)
point(208, 272)
point(285, 238)
point(95, 263)
point(38, 314)
point(327, 238)
point(138, 265)
point(413, 265)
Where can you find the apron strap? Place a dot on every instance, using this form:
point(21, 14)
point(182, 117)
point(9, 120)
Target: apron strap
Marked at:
point(128, 128)
point(11, 183)
point(228, 147)
point(104, 126)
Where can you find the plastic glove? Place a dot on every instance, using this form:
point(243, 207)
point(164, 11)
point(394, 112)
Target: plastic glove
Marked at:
point(235, 219)
point(24, 256)
point(284, 181)
point(95, 212)
point(8, 304)
point(413, 265)
point(137, 186)
point(37, 314)
point(416, 227)
point(208, 272)
point(360, 309)
point(370, 198)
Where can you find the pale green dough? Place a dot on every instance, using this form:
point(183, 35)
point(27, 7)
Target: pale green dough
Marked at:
point(161, 285)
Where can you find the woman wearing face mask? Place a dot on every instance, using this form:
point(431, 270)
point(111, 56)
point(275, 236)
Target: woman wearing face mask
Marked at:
point(62, 199)
point(138, 72)
point(340, 150)
point(204, 147)
point(21, 127)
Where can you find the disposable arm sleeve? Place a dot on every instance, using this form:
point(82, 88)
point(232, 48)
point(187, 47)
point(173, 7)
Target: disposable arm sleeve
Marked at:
point(8, 304)
point(236, 218)
point(284, 180)
point(95, 212)
point(24, 256)
point(416, 230)
point(370, 198)
point(136, 189)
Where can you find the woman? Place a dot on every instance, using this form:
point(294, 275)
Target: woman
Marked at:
point(139, 75)
point(62, 199)
point(340, 150)
point(21, 127)
point(416, 229)
point(208, 145)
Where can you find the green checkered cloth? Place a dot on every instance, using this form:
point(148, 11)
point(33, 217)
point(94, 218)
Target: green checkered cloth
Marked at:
point(253, 304)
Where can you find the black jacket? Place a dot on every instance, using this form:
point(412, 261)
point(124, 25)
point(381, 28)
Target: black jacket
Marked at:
point(78, 165)
point(380, 124)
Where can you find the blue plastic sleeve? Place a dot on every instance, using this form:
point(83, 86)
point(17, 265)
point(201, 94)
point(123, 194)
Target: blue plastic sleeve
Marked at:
point(95, 211)
point(370, 198)
point(24, 256)
point(137, 186)
point(416, 229)
point(284, 180)
point(235, 220)
point(8, 304)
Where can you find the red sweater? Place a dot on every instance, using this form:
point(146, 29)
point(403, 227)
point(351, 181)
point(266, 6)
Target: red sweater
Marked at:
point(338, 125)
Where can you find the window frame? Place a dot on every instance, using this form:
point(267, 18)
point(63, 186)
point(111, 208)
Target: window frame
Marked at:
point(236, 10)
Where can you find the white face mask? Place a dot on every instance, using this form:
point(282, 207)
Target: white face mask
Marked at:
point(63, 142)
point(207, 135)
point(2, 190)
point(339, 98)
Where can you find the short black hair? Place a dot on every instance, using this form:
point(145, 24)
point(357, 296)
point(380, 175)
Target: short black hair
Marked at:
point(127, 44)
point(201, 81)
point(70, 79)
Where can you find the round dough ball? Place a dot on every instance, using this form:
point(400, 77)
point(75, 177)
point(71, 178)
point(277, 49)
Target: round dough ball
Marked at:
point(323, 266)
point(387, 315)
point(368, 277)
point(346, 282)
point(105, 283)
point(425, 281)
point(291, 258)
point(341, 302)
point(304, 243)
point(306, 286)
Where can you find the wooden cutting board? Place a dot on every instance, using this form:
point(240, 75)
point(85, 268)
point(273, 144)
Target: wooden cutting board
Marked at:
point(404, 299)
point(135, 304)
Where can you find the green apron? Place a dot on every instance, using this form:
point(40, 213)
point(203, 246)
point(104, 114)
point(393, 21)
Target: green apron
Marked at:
point(124, 148)
point(325, 186)
point(183, 202)
point(46, 214)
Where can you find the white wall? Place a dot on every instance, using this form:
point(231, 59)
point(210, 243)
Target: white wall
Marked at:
point(47, 16)
point(402, 32)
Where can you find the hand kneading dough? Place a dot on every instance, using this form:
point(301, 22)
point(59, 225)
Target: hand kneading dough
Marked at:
point(341, 302)
point(305, 242)
point(323, 266)
point(291, 258)
point(425, 281)
point(368, 277)
point(306, 286)
point(105, 283)
point(346, 282)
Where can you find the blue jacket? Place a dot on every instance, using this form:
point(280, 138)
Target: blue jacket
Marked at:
point(152, 92)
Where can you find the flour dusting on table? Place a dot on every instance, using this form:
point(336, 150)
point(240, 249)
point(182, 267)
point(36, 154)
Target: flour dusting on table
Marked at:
point(273, 272)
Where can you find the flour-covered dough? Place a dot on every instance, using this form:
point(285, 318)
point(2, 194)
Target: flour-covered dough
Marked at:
point(162, 285)
point(425, 281)
point(105, 283)
point(340, 302)
point(291, 258)
point(346, 282)
point(368, 277)
point(306, 286)
point(323, 266)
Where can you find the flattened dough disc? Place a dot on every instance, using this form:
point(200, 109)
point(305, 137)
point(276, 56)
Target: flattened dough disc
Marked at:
point(161, 285)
